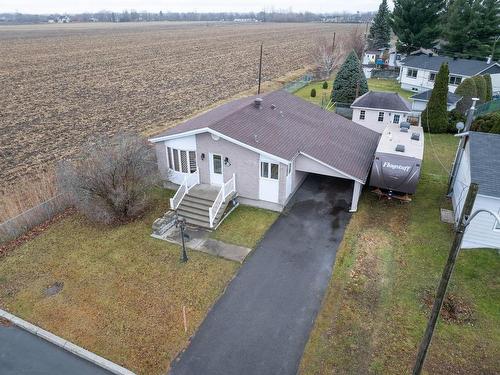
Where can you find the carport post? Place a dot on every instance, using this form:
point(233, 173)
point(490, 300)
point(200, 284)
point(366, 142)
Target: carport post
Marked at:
point(356, 192)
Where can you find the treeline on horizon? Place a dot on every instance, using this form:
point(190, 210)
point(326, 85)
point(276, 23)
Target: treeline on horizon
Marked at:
point(143, 16)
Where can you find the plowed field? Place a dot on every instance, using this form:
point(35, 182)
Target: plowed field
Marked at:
point(62, 84)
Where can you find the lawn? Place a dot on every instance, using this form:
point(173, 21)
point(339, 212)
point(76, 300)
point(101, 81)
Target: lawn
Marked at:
point(380, 84)
point(391, 258)
point(123, 291)
point(245, 226)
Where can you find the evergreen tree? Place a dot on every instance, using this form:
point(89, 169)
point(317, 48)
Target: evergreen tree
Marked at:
point(489, 87)
point(380, 31)
point(467, 90)
point(489, 27)
point(349, 80)
point(481, 88)
point(435, 115)
point(416, 23)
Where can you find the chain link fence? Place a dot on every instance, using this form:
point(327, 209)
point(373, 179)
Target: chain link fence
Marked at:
point(484, 109)
point(293, 86)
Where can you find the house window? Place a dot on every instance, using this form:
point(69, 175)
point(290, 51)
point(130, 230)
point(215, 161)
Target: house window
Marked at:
point(192, 161)
point(269, 170)
point(217, 164)
point(412, 73)
point(432, 77)
point(380, 116)
point(169, 157)
point(396, 119)
point(455, 80)
point(362, 114)
point(181, 160)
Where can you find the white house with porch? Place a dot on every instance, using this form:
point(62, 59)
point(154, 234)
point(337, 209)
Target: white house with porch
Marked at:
point(259, 150)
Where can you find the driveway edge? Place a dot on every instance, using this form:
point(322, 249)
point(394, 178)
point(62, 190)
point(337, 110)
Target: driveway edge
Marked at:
point(66, 345)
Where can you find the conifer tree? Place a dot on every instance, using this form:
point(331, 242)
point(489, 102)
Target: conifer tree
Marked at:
point(467, 90)
point(349, 80)
point(481, 88)
point(416, 23)
point(489, 87)
point(380, 31)
point(435, 116)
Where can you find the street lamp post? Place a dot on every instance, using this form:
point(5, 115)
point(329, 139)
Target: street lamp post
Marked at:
point(465, 219)
point(181, 223)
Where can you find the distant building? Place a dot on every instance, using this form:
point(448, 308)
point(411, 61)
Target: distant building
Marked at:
point(420, 100)
point(418, 72)
point(375, 110)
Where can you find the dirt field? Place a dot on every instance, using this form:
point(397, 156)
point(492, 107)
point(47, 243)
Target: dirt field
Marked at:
point(62, 84)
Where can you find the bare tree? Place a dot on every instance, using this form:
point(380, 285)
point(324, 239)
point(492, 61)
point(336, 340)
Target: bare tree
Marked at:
point(355, 40)
point(110, 179)
point(328, 55)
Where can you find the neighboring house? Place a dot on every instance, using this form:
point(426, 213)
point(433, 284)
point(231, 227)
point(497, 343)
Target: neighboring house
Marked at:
point(375, 110)
point(264, 148)
point(420, 100)
point(480, 164)
point(418, 72)
point(380, 57)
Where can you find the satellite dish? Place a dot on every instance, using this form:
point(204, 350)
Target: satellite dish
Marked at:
point(460, 126)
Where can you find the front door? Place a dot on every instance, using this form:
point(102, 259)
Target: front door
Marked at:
point(269, 181)
point(216, 170)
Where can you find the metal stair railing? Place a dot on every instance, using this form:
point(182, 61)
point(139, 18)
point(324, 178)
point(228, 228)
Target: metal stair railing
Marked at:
point(226, 189)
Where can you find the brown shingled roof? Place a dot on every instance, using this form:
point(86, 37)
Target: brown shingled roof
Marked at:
point(285, 125)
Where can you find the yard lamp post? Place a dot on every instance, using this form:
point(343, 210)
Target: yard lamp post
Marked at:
point(465, 219)
point(181, 223)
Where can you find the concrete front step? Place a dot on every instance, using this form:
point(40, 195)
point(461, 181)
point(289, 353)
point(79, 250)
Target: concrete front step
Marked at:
point(192, 215)
point(198, 200)
point(197, 206)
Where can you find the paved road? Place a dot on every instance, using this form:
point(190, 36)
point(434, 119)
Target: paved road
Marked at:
point(22, 353)
point(262, 322)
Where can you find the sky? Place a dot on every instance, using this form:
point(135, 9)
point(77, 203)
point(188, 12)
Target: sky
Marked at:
point(77, 6)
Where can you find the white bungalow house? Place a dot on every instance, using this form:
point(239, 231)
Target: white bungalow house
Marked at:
point(375, 110)
point(420, 100)
point(259, 149)
point(480, 164)
point(418, 72)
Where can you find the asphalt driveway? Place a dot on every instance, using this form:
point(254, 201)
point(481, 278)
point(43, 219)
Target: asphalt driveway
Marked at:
point(262, 322)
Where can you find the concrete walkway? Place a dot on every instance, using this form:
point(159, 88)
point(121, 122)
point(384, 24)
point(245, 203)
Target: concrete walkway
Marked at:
point(262, 322)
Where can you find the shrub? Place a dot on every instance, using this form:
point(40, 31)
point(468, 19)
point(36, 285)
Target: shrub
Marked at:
point(467, 90)
point(489, 87)
point(349, 80)
point(454, 117)
point(489, 123)
point(109, 180)
point(325, 85)
point(313, 93)
point(481, 88)
point(435, 115)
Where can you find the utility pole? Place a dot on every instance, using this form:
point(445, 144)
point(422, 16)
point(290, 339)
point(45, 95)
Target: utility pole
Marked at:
point(445, 278)
point(461, 146)
point(260, 68)
point(494, 47)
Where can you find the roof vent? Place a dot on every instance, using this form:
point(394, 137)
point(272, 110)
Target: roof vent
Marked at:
point(415, 136)
point(257, 102)
point(431, 54)
point(273, 106)
point(400, 148)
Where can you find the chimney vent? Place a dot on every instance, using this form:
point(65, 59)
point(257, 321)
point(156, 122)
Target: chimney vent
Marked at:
point(257, 102)
point(273, 106)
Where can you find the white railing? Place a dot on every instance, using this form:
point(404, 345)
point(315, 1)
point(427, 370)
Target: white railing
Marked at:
point(189, 181)
point(226, 189)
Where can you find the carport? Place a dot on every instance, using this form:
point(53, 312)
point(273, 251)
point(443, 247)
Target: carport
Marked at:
point(308, 164)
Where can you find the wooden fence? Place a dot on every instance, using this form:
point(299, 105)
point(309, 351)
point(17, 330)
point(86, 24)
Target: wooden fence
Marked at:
point(17, 225)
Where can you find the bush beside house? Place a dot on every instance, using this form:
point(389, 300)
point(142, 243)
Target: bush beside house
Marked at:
point(435, 115)
point(467, 90)
point(489, 123)
point(481, 88)
point(489, 87)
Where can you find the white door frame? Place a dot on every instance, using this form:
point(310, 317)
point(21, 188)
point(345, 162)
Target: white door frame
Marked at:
point(268, 187)
point(216, 178)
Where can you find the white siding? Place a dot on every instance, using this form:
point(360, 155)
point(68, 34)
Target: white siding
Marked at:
point(371, 118)
point(495, 82)
point(480, 232)
point(421, 82)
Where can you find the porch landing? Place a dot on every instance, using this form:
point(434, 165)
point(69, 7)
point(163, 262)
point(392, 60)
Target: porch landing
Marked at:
point(205, 191)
